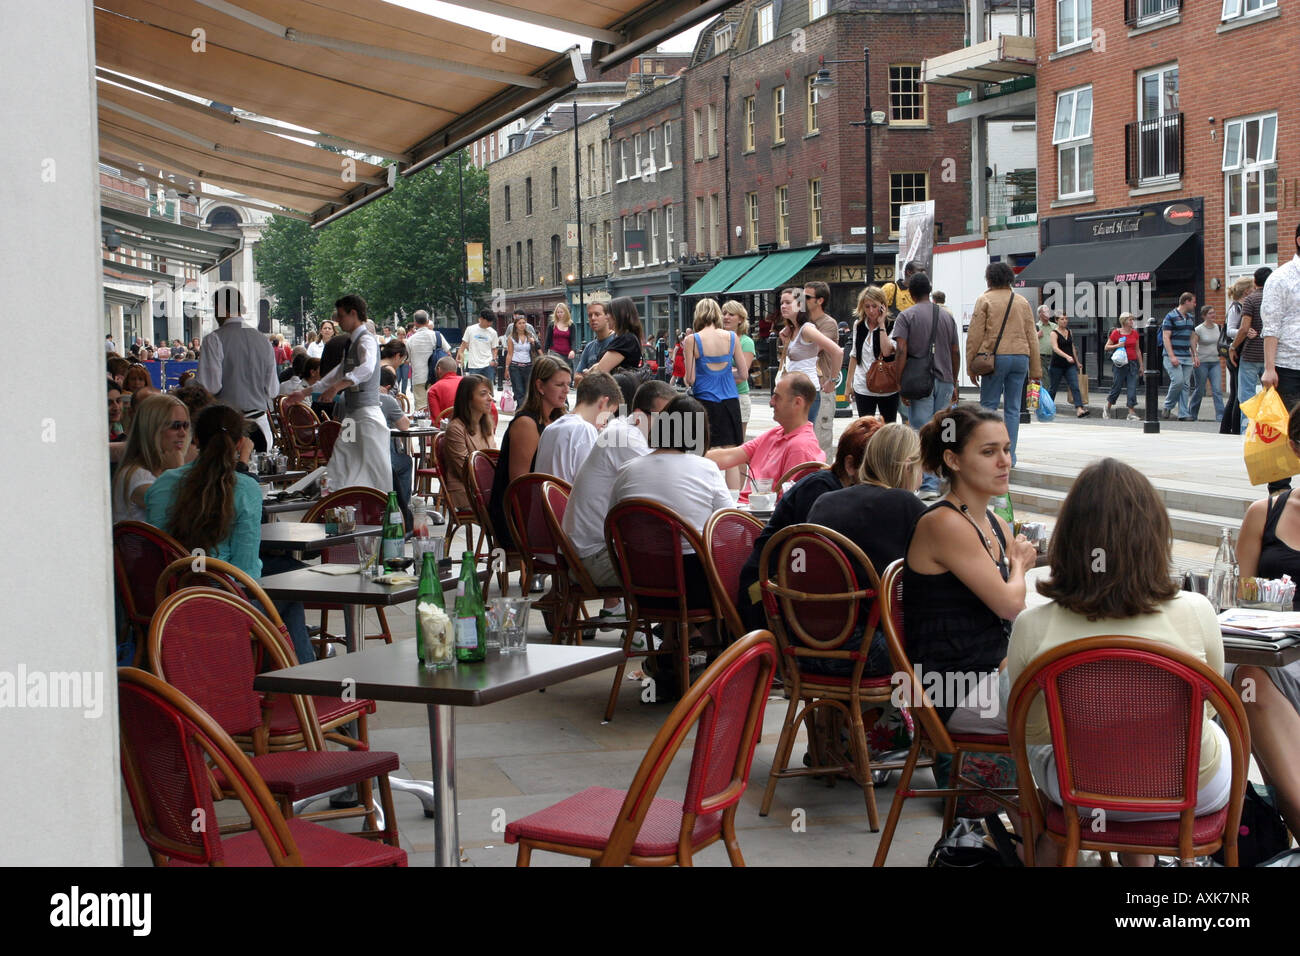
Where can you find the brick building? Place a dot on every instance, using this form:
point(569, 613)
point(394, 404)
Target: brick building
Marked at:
point(1163, 160)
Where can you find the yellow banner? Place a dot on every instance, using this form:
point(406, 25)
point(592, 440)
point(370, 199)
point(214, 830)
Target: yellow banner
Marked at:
point(474, 257)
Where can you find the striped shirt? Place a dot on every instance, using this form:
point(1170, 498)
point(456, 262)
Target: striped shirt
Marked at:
point(1180, 328)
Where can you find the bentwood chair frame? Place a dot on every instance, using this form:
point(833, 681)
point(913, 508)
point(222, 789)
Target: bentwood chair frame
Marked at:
point(813, 606)
point(167, 825)
point(632, 565)
point(301, 427)
point(466, 518)
point(729, 538)
point(482, 466)
point(801, 470)
point(138, 586)
point(360, 497)
point(617, 828)
point(537, 546)
point(930, 736)
point(313, 759)
point(283, 732)
point(1157, 764)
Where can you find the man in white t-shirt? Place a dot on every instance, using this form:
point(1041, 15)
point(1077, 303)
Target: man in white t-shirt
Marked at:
point(420, 346)
point(478, 348)
point(621, 441)
point(566, 442)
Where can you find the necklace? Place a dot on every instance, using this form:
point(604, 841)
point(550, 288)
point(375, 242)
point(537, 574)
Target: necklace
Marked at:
point(988, 544)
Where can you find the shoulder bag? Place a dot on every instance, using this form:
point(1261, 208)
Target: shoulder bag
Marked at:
point(985, 362)
point(917, 378)
point(882, 375)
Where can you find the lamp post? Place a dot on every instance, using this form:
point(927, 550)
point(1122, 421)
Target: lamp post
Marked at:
point(577, 195)
point(824, 81)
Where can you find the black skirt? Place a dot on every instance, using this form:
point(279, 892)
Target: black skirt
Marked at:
point(725, 429)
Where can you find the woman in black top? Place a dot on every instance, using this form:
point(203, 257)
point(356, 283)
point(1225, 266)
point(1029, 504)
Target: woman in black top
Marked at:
point(795, 506)
point(964, 578)
point(548, 398)
point(624, 350)
point(871, 344)
point(1065, 365)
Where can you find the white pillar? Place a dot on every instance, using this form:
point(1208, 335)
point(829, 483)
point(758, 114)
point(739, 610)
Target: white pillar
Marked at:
point(119, 329)
point(62, 765)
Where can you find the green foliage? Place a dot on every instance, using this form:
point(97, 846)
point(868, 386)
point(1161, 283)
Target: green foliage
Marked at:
point(283, 258)
point(401, 252)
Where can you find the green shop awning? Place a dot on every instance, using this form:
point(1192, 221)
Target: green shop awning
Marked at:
point(775, 270)
point(722, 275)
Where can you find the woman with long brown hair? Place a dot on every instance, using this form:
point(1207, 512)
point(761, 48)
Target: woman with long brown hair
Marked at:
point(469, 430)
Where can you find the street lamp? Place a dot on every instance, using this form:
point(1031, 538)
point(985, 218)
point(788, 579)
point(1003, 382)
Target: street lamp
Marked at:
point(824, 81)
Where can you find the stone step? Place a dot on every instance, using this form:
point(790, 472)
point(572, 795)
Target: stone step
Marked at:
point(1206, 498)
point(1196, 527)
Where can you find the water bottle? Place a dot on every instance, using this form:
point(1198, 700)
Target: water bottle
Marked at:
point(1223, 579)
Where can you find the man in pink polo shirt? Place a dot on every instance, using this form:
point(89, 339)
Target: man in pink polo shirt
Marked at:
point(792, 441)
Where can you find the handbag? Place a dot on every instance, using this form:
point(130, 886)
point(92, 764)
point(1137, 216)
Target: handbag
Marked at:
point(917, 378)
point(1119, 356)
point(1224, 343)
point(981, 842)
point(882, 375)
point(985, 362)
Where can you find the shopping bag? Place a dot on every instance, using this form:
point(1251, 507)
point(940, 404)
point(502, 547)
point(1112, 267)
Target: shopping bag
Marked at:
point(1267, 449)
point(1046, 405)
point(1031, 396)
point(508, 401)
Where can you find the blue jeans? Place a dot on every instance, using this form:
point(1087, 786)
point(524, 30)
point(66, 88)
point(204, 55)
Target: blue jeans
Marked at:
point(487, 372)
point(921, 411)
point(1206, 372)
point(1071, 375)
point(1126, 376)
point(402, 469)
point(519, 374)
point(1248, 374)
point(291, 612)
point(812, 409)
point(1180, 381)
point(1006, 384)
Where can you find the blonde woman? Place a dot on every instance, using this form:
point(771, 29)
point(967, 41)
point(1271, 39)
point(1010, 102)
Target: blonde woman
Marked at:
point(736, 319)
point(158, 441)
point(871, 344)
point(711, 354)
point(1232, 423)
point(561, 337)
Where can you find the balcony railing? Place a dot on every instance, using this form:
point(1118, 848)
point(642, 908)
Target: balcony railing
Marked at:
point(1153, 149)
point(1141, 12)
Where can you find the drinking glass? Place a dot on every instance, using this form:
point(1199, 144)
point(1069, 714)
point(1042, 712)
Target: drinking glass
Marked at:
point(368, 556)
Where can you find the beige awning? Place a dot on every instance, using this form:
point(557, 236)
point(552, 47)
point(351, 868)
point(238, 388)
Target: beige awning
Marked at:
point(361, 75)
point(1004, 57)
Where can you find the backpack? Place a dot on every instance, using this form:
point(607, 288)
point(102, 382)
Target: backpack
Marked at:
point(440, 351)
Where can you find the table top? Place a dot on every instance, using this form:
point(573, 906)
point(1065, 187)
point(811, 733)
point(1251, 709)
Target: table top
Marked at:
point(310, 535)
point(391, 672)
point(419, 431)
point(275, 507)
point(280, 476)
point(316, 587)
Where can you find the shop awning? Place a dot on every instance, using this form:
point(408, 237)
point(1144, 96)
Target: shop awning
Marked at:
point(170, 240)
point(722, 275)
point(1114, 260)
point(128, 300)
point(775, 270)
point(365, 76)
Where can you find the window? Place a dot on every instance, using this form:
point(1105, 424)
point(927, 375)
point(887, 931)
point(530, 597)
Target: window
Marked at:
point(555, 187)
point(722, 39)
point(905, 188)
point(715, 220)
point(593, 250)
point(1250, 182)
point(668, 146)
point(814, 209)
point(532, 269)
point(906, 96)
point(816, 9)
point(783, 215)
point(622, 160)
point(557, 264)
point(749, 123)
point(811, 100)
point(604, 161)
point(1072, 137)
point(713, 130)
point(653, 238)
point(1073, 23)
point(636, 156)
point(519, 264)
point(698, 116)
point(528, 196)
point(507, 204)
point(1244, 8)
point(610, 255)
point(699, 225)
point(669, 252)
point(751, 219)
point(508, 278)
point(496, 273)
point(651, 161)
point(778, 115)
point(1155, 140)
point(1142, 12)
point(591, 169)
point(640, 254)
point(765, 21)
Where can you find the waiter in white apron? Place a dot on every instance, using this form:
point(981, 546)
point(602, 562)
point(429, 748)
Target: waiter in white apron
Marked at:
point(360, 455)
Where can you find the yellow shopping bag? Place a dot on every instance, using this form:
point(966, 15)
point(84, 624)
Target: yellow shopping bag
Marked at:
point(1268, 451)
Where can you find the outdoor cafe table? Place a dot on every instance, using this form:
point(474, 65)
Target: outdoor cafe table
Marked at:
point(392, 673)
point(278, 477)
point(308, 537)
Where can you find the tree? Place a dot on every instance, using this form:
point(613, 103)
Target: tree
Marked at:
point(283, 258)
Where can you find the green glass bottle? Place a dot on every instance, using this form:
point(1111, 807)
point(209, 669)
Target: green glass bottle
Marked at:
point(471, 617)
point(1001, 506)
point(394, 541)
point(429, 601)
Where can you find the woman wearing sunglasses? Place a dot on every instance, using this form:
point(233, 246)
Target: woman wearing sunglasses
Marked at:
point(157, 441)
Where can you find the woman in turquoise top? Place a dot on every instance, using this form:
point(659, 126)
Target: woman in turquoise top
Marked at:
point(209, 504)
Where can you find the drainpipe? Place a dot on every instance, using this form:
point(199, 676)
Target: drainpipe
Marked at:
point(726, 158)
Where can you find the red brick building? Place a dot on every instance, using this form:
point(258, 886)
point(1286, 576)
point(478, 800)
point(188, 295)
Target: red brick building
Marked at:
point(1164, 154)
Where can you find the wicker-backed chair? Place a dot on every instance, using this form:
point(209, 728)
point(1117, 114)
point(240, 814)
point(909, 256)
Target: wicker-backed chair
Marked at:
point(929, 734)
point(370, 504)
point(575, 583)
point(283, 730)
point(482, 473)
point(813, 606)
point(466, 518)
point(167, 744)
point(301, 428)
point(537, 546)
point(801, 470)
point(616, 827)
point(1125, 715)
point(140, 552)
point(729, 538)
point(209, 644)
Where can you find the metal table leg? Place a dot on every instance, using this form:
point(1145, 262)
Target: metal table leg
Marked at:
point(442, 743)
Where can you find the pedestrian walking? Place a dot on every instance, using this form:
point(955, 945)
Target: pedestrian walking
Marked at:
point(1127, 363)
point(521, 350)
point(1207, 335)
point(1002, 330)
point(871, 344)
point(927, 333)
point(1181, 360)
point(1237, 293)
point(1065, 365)
point(1280, 329)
